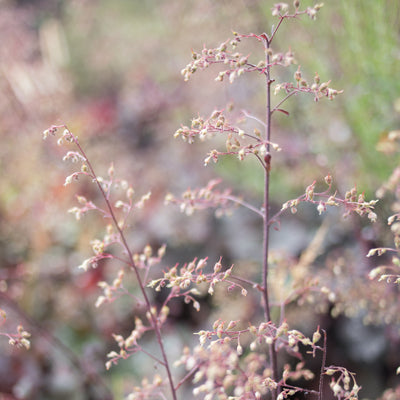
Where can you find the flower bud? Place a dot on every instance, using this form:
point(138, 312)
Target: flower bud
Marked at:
point(217, 267)
point(316, 337)
point(148, 251)
point(111, 170)
point(321, 208)
point(323, 86)
point(328, 179)
point(330, 371)
point(297, 75)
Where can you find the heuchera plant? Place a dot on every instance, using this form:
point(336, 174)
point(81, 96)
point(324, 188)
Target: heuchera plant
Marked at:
point(263, 358)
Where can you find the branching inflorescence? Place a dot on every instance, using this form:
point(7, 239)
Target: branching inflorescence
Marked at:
point(234, 359)
point(115, 234)
point(241, 143)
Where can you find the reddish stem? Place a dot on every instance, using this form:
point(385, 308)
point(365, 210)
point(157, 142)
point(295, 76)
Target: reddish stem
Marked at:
point(267, 310)
point(134, 267)
point(323, 364)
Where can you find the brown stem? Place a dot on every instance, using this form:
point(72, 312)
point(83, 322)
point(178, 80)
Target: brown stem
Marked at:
point(134, 267)
point(283, 100)
point(267, 310)
point(321, 375)
point(188, 375)
point(243, 203)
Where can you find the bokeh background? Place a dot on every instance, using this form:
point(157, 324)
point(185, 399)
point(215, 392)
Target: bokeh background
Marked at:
point(110, 70)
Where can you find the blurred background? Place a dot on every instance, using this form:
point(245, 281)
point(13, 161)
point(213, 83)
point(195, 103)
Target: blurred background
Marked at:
point(110, 70)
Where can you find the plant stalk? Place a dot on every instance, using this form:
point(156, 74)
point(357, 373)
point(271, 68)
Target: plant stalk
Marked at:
point(266, 231)
point(132, 263)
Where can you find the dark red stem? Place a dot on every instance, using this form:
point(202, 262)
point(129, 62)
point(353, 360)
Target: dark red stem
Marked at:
point(134, 267)
point(266, 230)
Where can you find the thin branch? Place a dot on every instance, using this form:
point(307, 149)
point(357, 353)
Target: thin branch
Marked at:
point(132, 264)
point(267, 311)
point(283, 100)
point(244, 204)
point(188, 375)
point(247, 115)
point(269, 39)
point(255, 285)
point(261, 160)
point(323, 364)
point(281, 18)
point(151, 356)
point(286, 386)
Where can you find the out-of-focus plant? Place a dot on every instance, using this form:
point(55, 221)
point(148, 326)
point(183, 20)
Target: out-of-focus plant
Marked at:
point(388, 271)
point(382, 22)
point(260, 355)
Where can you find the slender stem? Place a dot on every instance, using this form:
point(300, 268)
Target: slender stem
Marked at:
point(244, 204)
point(267, 311)
point(151, 356)
point(321, 375)
point(273, 33)
point(248, 282)
point(283, 100)
point(134, 267)
point(188, 375)
point(247, 115)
